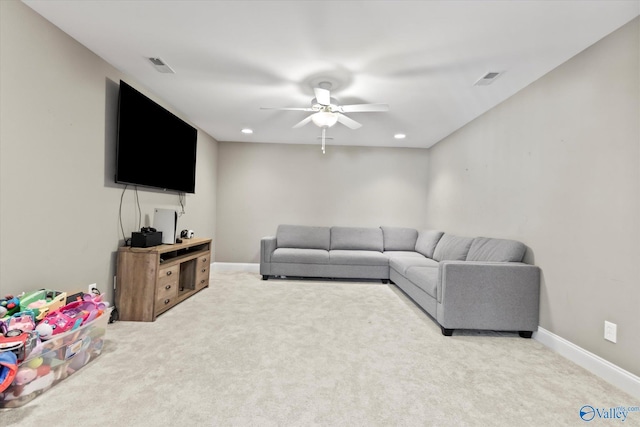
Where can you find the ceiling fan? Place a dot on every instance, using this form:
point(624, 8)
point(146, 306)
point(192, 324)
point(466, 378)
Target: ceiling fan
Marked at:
point(327, 112)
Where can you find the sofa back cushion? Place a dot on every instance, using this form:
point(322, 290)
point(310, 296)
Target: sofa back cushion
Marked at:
point(452, 248)
point(496, 250)
point(304, 237)
point(427, 241)
point(357, 238)
point(399, 238)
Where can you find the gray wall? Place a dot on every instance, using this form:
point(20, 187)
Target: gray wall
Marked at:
point(59, 207)
point(558, 167)
point(263, 185)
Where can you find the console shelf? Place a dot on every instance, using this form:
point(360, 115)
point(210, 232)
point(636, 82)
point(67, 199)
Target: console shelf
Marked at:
point(149, 281)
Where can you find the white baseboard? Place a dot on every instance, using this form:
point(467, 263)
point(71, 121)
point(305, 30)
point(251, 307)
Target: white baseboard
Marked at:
point(235, 266)
point(614, 374)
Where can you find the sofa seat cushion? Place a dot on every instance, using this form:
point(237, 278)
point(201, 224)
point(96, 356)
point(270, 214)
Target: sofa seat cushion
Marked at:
point(300, 256)
point(402, 264)
point(426, 278)
point(403, 254)
point(303, 237)
point(346, 257)
point(357, 238)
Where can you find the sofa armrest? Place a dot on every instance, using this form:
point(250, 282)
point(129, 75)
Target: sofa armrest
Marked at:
point(267, 246)
point(488, 295)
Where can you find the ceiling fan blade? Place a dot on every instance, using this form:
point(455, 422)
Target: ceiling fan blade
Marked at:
point(364, 108)
point(288, 108)
point(303, 122)
point(323, 96)
point(350, 123)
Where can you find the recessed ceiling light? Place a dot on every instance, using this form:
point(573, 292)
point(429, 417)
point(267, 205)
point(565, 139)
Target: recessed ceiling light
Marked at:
point(399, 136)
point(247, 131)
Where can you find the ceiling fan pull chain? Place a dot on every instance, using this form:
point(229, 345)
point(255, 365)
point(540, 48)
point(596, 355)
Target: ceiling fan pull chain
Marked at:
point(323, 133)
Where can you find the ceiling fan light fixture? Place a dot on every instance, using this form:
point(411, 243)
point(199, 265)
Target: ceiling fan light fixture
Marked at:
point(324, 119)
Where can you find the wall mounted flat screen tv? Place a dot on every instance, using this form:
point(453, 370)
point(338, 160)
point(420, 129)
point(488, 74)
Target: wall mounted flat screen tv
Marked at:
point(154, 148)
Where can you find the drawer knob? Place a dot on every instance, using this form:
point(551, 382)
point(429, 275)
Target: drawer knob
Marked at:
point(204, 270)
point(167, 301)
point(204, 260)
point(167, 287)
point(169, 273)
point(202, 281)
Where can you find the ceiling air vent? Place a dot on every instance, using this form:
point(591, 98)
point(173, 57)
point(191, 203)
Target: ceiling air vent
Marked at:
point(488, 78)
point(161, 66)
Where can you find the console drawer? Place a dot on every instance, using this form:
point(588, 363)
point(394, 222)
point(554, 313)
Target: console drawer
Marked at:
point(168, 274)
point(167, 290)
point(165, 304)
point(202, 273)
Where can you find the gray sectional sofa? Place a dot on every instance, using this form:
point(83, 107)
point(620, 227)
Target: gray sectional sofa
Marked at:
point(462, 282)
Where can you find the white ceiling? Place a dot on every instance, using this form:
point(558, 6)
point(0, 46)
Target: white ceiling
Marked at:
point(420, 57)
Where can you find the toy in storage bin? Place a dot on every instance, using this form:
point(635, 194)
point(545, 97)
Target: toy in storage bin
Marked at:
point(42, 302)
point(54, 360)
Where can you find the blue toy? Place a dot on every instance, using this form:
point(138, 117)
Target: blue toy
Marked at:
point(11, 304)
point(8, 369)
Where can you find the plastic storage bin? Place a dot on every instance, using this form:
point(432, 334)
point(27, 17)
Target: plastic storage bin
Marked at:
point(54, 360)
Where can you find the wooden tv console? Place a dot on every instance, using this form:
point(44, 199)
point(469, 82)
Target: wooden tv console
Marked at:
point(149, 281)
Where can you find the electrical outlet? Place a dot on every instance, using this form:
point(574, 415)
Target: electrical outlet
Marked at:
point(92, 289)
point(610, 331)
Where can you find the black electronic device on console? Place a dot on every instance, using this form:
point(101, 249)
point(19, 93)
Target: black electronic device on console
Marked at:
point(146, 238)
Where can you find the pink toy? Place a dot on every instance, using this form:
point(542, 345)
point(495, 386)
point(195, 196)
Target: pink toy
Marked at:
point(37, 304)
point(59, 323)
point(25, 376)
point(25, 321)
point(71, 317)
point(96, 298)
point(40, 383)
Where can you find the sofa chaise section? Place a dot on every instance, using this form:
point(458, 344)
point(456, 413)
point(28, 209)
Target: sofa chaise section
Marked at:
point(487, 295)
point(478, 283)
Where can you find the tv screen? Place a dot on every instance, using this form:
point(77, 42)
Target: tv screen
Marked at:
point(155, 148)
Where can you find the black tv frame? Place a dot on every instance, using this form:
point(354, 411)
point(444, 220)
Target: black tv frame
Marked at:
point(154, 148)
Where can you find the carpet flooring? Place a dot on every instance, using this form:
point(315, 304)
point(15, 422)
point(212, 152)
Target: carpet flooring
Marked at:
point(247, 352)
